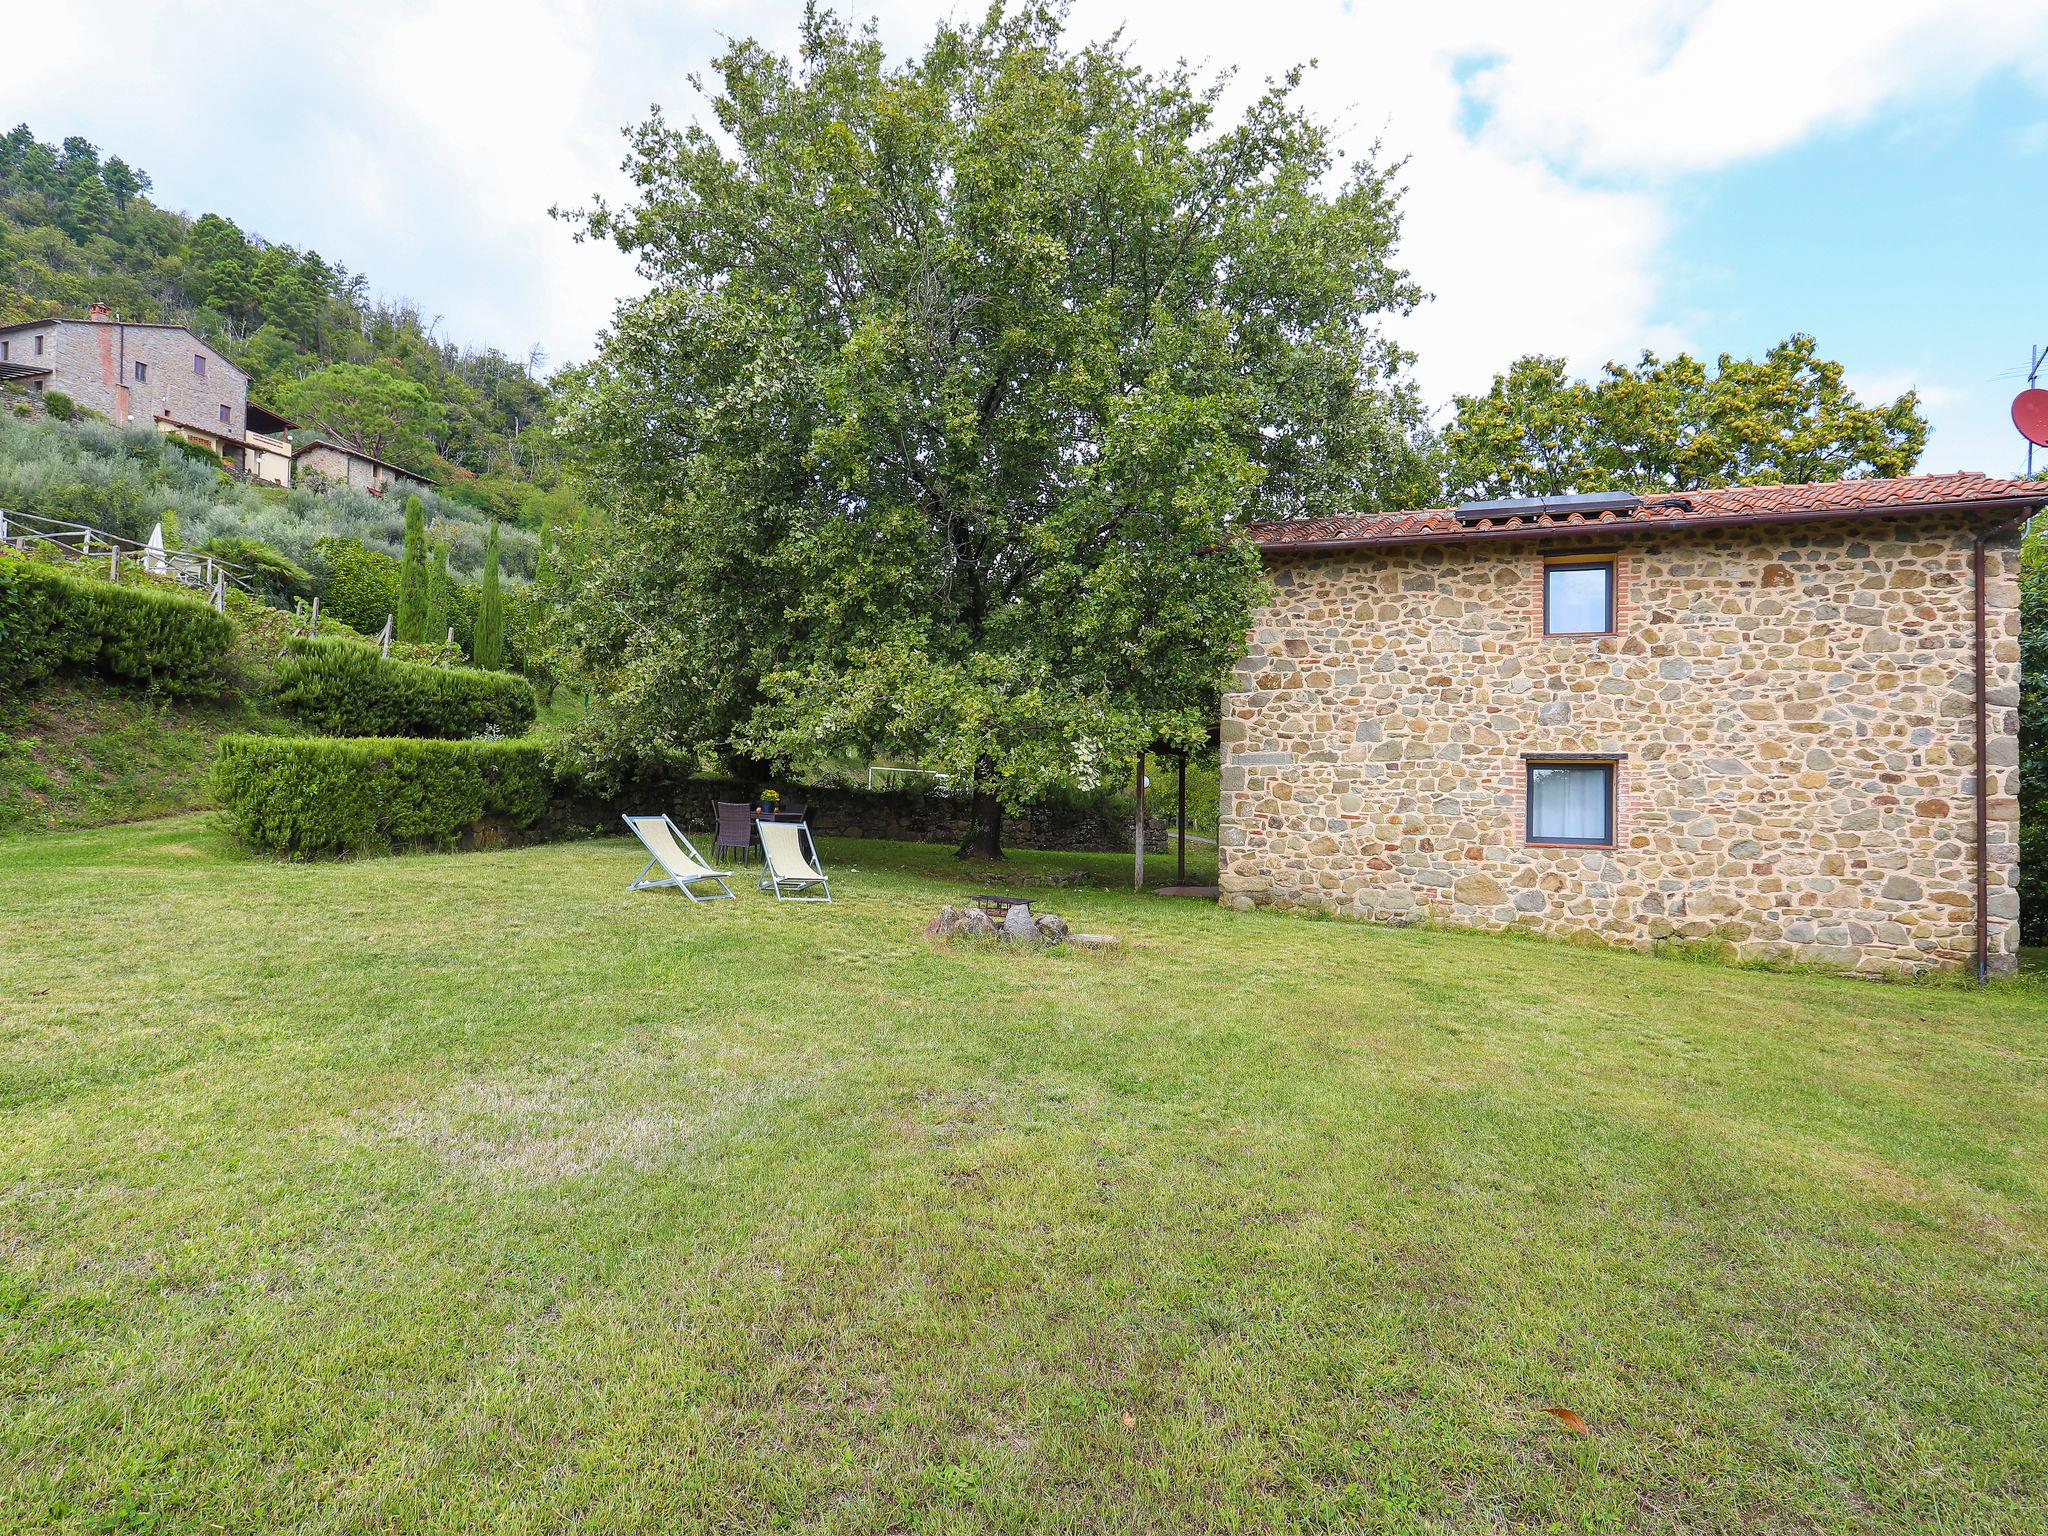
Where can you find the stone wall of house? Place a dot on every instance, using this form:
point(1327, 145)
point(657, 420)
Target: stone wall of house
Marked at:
point(94, 363)
point(1790, 711)
point(320, 462)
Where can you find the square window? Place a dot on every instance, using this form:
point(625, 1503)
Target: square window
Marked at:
point(1578, 597)
point(142, 373)
point(199, 364)
point(1570, 802)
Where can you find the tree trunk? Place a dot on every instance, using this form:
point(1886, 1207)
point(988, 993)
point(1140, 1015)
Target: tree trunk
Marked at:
point(984, 838)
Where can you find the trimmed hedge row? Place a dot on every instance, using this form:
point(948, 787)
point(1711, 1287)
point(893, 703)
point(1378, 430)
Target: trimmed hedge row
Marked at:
point(50, 621)
point(321, 795)
point(344, 688)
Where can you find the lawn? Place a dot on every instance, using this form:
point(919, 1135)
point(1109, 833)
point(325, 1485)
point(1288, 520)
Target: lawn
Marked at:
point(477, 1193)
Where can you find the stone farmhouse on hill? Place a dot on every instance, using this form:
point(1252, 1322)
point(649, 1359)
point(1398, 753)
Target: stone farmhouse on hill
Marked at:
point(1778, 718)
point(130, 370)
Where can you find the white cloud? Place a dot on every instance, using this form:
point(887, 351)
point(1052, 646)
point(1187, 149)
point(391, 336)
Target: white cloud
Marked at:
point(423, 140)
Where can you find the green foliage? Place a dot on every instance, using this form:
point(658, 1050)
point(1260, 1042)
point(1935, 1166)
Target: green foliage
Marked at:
point(412, 576)
point(435, 627)
point(74, 229)
point(50, 621)
point(1667, 425)
point(2034, 734)
point(488, 648)
point(124, 479)
point(275, 575)
point(344, 688)
point(954, 380)
point(59, 404)
point(362, 585)
point(376, 409)
point(312, 795)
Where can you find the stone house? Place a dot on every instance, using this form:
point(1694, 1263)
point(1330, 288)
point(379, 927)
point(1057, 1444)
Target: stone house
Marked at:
point(322, 460)
point(131, 370)
point(1781, 720)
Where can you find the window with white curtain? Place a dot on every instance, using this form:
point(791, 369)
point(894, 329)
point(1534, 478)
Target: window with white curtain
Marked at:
point(1578, 597)
point(1571, 802)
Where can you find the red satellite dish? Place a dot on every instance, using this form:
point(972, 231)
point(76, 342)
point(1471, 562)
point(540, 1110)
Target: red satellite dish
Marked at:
point(2030, 415)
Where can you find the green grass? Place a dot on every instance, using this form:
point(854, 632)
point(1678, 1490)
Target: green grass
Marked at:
point(478, 1193)
point(80, 752)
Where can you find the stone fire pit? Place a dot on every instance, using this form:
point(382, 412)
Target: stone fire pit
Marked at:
point(1010, 921)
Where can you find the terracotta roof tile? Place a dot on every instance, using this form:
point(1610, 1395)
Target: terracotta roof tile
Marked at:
point(1735, 503)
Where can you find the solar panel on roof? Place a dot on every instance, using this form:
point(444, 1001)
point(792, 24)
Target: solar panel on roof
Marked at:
point(1588, 502)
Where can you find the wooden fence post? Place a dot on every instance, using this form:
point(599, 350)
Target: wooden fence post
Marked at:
point(384, 636)
point(313, 622)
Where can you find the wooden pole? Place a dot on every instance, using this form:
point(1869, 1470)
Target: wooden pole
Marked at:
point(1180, 868)
point(313, 622)
point(1138, 865)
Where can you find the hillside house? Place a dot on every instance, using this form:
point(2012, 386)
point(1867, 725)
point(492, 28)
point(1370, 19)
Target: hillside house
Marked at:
point(132, 371)
point(325, 461)
point(1751, 717)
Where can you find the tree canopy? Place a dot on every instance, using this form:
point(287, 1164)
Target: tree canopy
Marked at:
point(375, 409)
point(1671, 425)
point(954, 378)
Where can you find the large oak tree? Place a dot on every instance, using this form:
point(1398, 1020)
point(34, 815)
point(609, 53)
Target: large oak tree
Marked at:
point(954, 377)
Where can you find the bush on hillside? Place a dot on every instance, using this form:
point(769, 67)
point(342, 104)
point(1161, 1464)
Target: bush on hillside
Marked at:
point(274, 575)
point(60, 405)
point(362, 585)
point(343, 688)
point(50, 620)
point(304, 795)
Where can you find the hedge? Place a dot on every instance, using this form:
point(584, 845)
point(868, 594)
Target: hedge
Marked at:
point(308, 795)
point(50, 621)
point(344, 688)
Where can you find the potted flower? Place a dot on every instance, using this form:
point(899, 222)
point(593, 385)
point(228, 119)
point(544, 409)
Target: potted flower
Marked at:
point(769, 801)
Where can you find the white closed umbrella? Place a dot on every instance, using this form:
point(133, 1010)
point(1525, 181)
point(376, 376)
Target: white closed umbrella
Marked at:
point(153, 552)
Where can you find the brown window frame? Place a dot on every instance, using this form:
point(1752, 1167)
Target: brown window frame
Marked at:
point(199, 364)
point(1579, 563)
point(141, 372)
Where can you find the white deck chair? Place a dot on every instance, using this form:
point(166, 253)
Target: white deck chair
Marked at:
point(678, 859)
point(790, 871)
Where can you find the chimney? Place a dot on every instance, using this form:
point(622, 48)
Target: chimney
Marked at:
point(100, 312)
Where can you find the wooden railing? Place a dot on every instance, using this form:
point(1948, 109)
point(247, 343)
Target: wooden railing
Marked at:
point(52, 537)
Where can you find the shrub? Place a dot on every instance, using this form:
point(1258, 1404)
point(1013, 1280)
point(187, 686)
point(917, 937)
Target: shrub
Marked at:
point(50, 620)
point(274, 574)
point(59, 404)
point(308, 795)
point(344, 688)
point(362, 585)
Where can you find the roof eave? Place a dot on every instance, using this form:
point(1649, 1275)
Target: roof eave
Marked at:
point(1633, 525)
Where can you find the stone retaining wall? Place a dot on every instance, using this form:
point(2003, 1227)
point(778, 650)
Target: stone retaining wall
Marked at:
point(1790, 711)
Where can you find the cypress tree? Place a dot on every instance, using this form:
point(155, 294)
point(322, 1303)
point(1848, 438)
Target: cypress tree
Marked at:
point(439, 598)
point(487, 647)
point(412, 575)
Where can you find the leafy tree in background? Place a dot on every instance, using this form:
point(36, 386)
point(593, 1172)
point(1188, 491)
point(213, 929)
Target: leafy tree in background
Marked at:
point(123, 181)
point(89, 210)
point(375, 409)
point(412, 575)
point(954, 380)
point(488, 648)
point(1670, 425)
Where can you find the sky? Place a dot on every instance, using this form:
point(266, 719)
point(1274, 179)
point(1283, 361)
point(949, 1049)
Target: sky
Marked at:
point(1585, 179)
